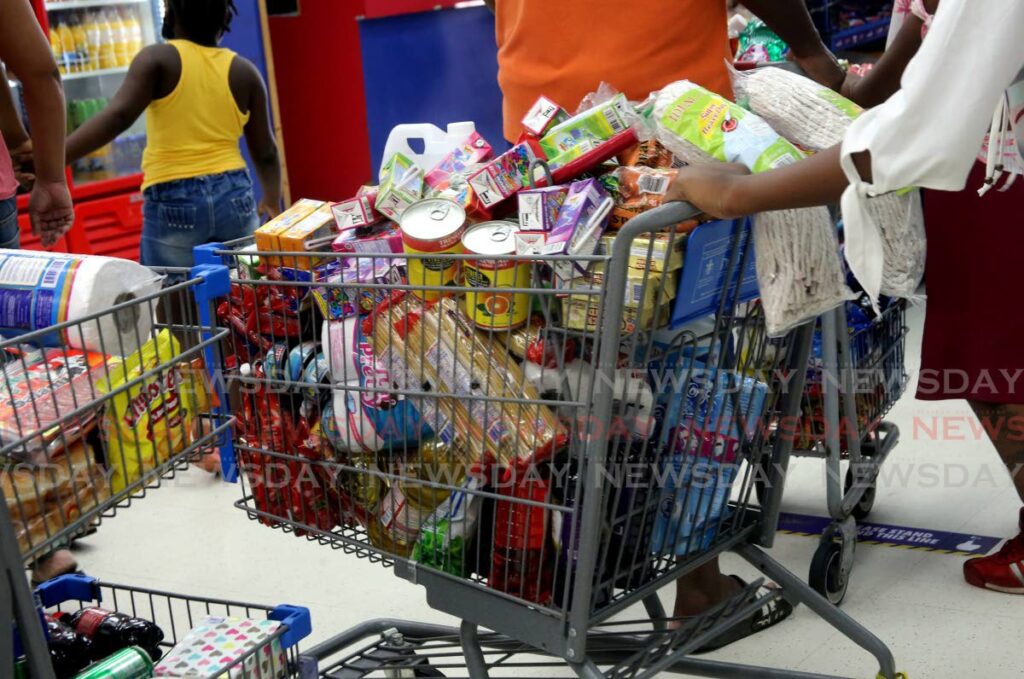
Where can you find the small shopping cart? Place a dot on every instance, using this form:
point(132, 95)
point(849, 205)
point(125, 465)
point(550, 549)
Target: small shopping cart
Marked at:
point(532, 449)
point(87, 432)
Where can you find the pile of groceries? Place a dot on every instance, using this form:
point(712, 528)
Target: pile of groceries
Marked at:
point(94, 643)
point(78, 422)
point(443, 324)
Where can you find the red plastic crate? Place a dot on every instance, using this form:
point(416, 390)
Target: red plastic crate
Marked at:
point(106, 226)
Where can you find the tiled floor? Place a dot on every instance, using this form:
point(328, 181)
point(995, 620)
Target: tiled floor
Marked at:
point(188, 537)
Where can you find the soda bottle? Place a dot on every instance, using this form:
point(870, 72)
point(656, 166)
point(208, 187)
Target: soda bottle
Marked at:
point(94, 38)
point(108, 54)
point(131, 21)
point(69, 652)
point(57, 48)
point(121, 39)
point(522, 560)
point(130, 663)
point(81, 41)
point(112, 632)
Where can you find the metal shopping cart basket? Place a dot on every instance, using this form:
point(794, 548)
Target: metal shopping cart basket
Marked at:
point(518, 439)
point(856, 374)
point(86, 432)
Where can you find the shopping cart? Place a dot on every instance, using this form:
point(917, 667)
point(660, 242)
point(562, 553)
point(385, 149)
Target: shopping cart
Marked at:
point(176, 615)
point(84, 434)
point(537, 480)
point(856, 374)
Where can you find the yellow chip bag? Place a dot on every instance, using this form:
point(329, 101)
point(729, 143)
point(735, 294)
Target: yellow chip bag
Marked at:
point(151, 421)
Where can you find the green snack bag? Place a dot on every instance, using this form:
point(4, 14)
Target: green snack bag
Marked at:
point(444, 537)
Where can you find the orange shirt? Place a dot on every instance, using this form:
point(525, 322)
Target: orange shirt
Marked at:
point(563, 49)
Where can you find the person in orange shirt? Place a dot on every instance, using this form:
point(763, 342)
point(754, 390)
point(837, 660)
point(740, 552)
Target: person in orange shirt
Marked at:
point(565, 50)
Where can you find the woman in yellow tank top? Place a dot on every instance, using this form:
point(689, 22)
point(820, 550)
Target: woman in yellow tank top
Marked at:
point(199, 100)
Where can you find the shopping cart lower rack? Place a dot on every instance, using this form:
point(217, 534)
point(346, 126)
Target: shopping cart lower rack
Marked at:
point(525, 445)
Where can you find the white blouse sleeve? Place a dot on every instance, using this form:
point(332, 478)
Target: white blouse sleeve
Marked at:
point(928, 134)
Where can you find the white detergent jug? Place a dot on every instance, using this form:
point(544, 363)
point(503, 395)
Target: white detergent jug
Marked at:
point(437, 143)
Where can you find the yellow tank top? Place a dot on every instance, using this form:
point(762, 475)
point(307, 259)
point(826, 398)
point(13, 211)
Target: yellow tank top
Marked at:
point(194, 130)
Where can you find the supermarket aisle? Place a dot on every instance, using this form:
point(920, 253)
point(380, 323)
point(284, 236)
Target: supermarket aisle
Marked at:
point(188, 537)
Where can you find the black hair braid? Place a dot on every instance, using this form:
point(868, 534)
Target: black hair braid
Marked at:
point(204, 21)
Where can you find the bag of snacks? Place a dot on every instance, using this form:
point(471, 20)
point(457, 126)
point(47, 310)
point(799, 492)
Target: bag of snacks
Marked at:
point(635, 191)
point(798, 267)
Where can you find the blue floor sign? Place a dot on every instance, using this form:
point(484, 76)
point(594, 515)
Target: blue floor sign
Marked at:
point(895, 536)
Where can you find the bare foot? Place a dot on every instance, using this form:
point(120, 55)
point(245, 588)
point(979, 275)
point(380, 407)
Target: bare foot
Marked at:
point(210, 462)
point(60, 562)
point(695, 598)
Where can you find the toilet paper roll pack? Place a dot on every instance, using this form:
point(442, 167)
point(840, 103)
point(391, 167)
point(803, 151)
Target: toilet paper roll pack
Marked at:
point(39, 290)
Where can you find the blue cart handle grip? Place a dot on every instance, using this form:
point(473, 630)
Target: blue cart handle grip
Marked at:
point(298, 621)
point(72, 587)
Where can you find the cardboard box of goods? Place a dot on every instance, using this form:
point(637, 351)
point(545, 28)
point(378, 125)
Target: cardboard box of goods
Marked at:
point(315, 228)
point(401, 186)
point(356, 212)
point(472, 151)
point(542, 116)
point(504, 176)
point(665, 254)
point(644, 291)
point(268, 235)
point(599, 124)
point(539, 208)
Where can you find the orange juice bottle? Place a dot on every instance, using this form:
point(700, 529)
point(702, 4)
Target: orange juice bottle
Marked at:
point(94, 37)
point(108, 55)
point(69, 57)
point(57, 48)
point(81, 40)
point(121, 39)
point(131, 20)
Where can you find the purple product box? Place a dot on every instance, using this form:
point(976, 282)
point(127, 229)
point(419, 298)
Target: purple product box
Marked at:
point(580, 225)
point(539, 208)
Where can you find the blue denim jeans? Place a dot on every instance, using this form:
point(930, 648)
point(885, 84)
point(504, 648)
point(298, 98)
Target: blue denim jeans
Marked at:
point(179, 215)
point(10, 233)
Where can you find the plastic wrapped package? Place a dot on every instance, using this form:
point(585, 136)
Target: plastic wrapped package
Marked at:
point(798, 266)
point(635, 191)
point(446, 355)
point(817, 118)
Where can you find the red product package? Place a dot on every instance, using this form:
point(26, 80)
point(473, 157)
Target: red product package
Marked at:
point(40, 388)
point(636, 190)
point(649, 153)
point(522, 560)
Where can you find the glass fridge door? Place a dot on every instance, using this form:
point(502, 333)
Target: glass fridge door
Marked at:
point(94, 42)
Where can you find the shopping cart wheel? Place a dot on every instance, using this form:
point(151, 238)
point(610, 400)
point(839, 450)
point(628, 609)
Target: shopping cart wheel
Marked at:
point(861, 510)
point(827, 577)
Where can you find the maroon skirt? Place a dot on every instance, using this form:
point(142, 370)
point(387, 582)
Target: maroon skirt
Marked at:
point(974, 325)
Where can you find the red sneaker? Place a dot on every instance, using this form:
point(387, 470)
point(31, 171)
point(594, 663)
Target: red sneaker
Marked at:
point(1002, 571)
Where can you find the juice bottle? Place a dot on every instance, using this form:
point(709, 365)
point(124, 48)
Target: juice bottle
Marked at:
point(522, 560)
point(131, 20)
point(121, 39)
point(81, 40)
point(108, 55)
point(69, 58)
point(57, 49)
point(94, 37)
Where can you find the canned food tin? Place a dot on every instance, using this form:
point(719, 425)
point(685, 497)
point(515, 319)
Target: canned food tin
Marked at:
point(131, 663)
point(433, 226)
point(495, 308)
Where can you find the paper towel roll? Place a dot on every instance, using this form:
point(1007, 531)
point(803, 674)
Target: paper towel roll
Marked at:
point(39, 290)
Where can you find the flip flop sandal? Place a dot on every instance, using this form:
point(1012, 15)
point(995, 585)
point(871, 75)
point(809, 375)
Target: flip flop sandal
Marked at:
point(771, 614)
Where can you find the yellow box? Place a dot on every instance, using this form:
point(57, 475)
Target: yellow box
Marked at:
point(580, 312)
point(661, 258)
point(268, 236)
point(304, 237)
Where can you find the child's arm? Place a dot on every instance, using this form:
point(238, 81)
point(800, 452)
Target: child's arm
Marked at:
point(11, 126)
point(883, 80)
point(728, 191)
point(141, 86)
point(259, 136)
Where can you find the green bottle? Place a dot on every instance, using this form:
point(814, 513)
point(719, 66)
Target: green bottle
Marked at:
point(131, 663)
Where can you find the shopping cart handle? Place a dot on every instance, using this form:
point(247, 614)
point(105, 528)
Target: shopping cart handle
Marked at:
point(72, 587)
point(669, 214)
point(298, 620)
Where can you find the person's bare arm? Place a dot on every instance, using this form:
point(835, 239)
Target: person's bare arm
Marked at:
point(259, 136)
point(792, 22)
point(140, 87)
point(26, 51)
point(10, 122)
point(729, 191)
point(883, 80)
